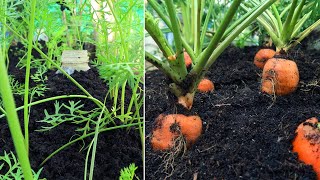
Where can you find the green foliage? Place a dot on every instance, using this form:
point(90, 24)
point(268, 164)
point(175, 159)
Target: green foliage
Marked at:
point(71, 113)
point(246, 38)
point(128, 173)
point(288, 25)
point(124, 54)
point(17, 88)
point(118, 73)
point(36, 91)
point(203, 55)
point(40, 79)
point(11, 169)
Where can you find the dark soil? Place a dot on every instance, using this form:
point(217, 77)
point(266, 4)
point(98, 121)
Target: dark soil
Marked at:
point(116, 148)
point(242, 137)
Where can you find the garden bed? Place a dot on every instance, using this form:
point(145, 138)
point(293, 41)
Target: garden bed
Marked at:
point(116, 149)
point(245, 135)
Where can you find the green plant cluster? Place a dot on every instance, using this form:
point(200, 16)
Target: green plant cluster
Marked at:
point(128, 173)
point(74, 28)
point(10, 165)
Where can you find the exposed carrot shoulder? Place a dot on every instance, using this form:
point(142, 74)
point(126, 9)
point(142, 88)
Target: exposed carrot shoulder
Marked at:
point(262, 56)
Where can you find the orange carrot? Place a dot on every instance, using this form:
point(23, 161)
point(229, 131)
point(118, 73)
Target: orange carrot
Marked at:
point(262, 56)
point(164, 134)
point(205, 85)
point(280, 77)
point(187, 59)
point(191, 128)
point(186, 100)
point(307, 144)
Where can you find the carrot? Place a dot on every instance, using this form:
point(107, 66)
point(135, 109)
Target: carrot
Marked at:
point(262, 56)
point(280, 77)
point(186, 100)
point(205, 85)
point(187, 59)
point(169, 127)
point(163, 137)
point(191, 128)
point(307, 144)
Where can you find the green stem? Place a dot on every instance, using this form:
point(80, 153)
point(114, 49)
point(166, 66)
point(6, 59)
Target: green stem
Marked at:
point(197, 16)
point(163, 66)
point(304, 34)
point(276, 13)
point(185, 11)
point(299, 24)
point(166, 20)
point(204, 56)
point(134, 96)
point(13, 120)
point(53, 63)
point(4, 21)
point(178, 65)
point(85, 136)
point(154, 31)
point(206, 23)
point(295, 17)
point(27, 76)
point(125, 49)
point(95, 142)
point(123, 91)
point(276, 40)
point(224, 44)
point(175, 26)
point(86, 162)
point(285, 35)
point(2, 110)
point(270, 18)
point(141, 127)
point(96, 101)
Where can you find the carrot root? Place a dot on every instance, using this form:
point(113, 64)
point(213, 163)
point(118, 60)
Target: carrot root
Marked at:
point(262, 56)
point(280, 77)
point(307, 144)
point(205, 86)
point(170, 127)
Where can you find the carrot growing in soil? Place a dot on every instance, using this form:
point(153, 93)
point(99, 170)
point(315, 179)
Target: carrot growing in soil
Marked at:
point(187, 59)
point(285, 34)
point(262, 56)
point(184, 80)
point(280, 77)
point(307, 144)
point(169, 127)
point(205, 86)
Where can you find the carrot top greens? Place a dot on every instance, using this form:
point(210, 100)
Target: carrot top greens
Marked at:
point(285, 27)
point(185, 82)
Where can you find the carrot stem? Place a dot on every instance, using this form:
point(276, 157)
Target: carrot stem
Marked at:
point(197, 15)
point(285, 35)
point(9, 107)
point(27, 76)
point(204, 56)
point(154, 4)
point(155, 32)
point(178, 64)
